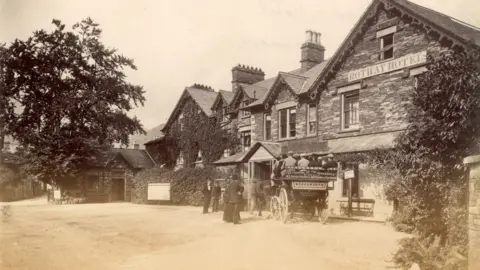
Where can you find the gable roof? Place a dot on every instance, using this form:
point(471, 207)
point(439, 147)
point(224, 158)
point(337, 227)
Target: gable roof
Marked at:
point(463, 30)
point(456, 29)
point(136, 158)
point(226, 95)
point(204, 98)
point(299, 81)
point(223, 95)
point(152, 134)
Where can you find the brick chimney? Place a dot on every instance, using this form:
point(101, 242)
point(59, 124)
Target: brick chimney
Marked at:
point(136, 145)
point(313, 52)
point(247, 75)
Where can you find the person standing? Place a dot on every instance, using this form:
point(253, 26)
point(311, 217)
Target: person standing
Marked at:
point(235, 197)
point(207, 195)
point(216, 193)
point(227, 206)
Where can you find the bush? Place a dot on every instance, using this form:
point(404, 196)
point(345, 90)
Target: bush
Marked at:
point(141, 181)
point(185, 184)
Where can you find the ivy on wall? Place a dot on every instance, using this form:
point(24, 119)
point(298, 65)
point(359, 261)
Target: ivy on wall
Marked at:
point(195, 133)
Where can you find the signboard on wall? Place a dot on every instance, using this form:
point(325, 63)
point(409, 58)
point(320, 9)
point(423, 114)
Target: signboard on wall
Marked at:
point(350, 174)
point(57, 194)
point(388, 66)
point(158, 192)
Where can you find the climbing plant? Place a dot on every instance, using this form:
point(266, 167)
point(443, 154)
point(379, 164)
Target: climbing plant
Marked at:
point(197, 133)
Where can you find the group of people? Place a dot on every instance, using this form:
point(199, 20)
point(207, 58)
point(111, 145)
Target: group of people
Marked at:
point(232, 199)
point(294, 160)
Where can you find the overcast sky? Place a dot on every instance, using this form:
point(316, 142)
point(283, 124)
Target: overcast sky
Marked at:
point(176, 43)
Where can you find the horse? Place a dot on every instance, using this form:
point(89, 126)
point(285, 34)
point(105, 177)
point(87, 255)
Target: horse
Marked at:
point(261, 194)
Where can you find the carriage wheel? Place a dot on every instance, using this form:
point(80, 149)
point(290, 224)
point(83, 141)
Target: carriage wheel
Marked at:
point(310, 209)
point(274, 208)
point(283, 203)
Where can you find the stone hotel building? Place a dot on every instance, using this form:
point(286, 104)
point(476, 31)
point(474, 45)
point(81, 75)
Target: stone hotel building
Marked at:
point(353, 102)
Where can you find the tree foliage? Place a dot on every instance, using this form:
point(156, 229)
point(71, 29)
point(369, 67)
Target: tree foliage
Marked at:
point(199, 133)
point(431, 191)
point(67, 97)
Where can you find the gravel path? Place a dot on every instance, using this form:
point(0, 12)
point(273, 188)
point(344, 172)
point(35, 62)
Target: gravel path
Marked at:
point(128, 236)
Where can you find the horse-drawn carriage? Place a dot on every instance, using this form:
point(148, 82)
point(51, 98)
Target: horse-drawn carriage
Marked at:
point(302, 187)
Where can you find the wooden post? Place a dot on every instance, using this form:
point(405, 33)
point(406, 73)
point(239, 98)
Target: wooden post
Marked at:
point(350, 197)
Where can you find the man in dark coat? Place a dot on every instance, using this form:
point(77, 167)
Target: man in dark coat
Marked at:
point(207, 195)
point(227, 206)
point(216, 193)
point(235, 197)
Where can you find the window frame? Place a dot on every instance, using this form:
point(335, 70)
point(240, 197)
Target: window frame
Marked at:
point(180, 121)
point(265, 137)
point(309, 131)
point(95, 179)
point(356, 124)
point(242, 140)
point(288, 123)
point(245, 113)
point(389, 47)
point(224, 113)
point(180, 160)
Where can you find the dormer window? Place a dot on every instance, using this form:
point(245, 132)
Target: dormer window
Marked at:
point(245, 113)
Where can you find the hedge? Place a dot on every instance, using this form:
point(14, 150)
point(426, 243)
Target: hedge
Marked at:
point(185, 184)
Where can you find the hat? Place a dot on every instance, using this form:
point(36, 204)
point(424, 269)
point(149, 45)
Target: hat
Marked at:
point(290, 153)
point(302, 154)
point(330, 155)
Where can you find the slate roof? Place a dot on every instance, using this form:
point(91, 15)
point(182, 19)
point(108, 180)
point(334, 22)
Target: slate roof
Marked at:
point(233, 159)
point(227, 95)
point(204, 98)
point(136, 158)
point(155, 133)
point(461, 29)
point(299, 80)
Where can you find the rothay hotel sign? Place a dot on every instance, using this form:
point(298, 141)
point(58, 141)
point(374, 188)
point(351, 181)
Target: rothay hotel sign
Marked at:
point(389, 66)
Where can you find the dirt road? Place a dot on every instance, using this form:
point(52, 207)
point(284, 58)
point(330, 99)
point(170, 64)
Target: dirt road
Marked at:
point(128, 236)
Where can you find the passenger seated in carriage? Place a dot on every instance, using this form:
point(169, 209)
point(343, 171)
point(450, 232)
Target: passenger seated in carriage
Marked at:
point(303, 162)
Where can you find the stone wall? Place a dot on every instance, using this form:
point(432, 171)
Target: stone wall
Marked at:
point(382, 101)
point(474, 212)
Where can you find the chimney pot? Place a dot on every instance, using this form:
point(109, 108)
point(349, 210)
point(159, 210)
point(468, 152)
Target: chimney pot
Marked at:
point(312, 50)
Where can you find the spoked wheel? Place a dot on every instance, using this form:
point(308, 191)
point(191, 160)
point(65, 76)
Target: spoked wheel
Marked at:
point(310, 210)
point(283, 203)
point(274, 207)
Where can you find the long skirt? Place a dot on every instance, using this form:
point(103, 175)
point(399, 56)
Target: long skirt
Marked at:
point(228, 212)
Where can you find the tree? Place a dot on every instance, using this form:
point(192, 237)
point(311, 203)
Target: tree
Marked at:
point(444, 127)
point(67, 97)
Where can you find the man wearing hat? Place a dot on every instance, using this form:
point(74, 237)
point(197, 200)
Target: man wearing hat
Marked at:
point(303, 162)
point(290, 161)
point(329, 163)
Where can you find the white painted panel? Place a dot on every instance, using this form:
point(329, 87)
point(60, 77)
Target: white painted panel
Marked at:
point(159, 191)
point(261, 154)
point(386, 31)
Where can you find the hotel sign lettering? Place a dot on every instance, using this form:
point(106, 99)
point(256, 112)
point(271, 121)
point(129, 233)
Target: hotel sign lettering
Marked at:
point(389, 66)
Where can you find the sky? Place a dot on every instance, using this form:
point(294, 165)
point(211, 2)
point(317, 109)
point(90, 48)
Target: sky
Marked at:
point(176, 43)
